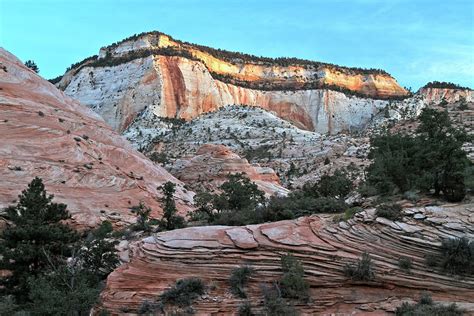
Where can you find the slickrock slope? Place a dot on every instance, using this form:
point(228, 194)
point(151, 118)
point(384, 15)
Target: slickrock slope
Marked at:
point(169, 78)
point(322, 246)
point(211, 165)
point(82, 161)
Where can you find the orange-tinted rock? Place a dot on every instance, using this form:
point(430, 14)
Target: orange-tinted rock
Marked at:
point(185, 86)
point(82, 161)
point(434, 96)
point(212, 163)
point(323, 247)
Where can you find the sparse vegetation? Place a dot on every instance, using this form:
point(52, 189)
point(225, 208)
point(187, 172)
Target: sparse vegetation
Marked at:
point(160, 158)
point(405, 264)
point(239, 279)
point(389, 211)
point(426, 307)
point(32, 65)
point(245, 309)
point(184, 292)
point(362, 270)
point(292, 283)
point(143, 217)
point(457, 255)
point(274, 302)
point(445, 85)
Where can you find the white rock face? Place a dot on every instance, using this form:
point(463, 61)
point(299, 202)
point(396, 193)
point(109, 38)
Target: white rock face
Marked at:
point(117, 93)
point(178, 87)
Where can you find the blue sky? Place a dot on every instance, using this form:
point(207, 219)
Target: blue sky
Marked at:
point(415, 40)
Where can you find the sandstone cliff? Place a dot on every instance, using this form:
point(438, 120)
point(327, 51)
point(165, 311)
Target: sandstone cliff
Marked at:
point(82, 161)
point(324, 248)
point(175, 79)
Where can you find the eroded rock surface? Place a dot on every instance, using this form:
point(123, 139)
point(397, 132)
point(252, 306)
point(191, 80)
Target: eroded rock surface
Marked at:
point(82, 161)
point(324, 248)
point(187, 80)
point(211, 165)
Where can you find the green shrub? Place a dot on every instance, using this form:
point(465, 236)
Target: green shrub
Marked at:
point(160, 158)
point(103, 230)
point(239, 279)
point(404, 263)
point(245, 309)
point(143, 214)
point(274, 304)
point(184, 292)
point(147, 307)
point(367, 190)
point(337, 185)
point(237, 204)
point(457, 255)
point(389, 211)
point(362, 270)
point(411, 196)
point(426, 307)
point(292, 283)
point(350, 212)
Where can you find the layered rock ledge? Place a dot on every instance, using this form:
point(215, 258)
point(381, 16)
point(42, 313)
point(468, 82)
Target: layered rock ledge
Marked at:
point(323, 247)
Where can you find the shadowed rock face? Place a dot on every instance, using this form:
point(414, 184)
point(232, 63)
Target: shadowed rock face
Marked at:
point(185, 87)
point(211, 165)
point(82, 161)
point(322, 246)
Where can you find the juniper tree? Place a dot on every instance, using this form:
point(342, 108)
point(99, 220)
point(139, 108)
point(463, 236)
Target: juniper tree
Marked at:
point(170, 220)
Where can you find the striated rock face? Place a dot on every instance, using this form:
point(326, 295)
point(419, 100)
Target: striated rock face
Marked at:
point(323, 247)
point(434, 96)
point(200, 81)
point(211, 165)
point(82, 161)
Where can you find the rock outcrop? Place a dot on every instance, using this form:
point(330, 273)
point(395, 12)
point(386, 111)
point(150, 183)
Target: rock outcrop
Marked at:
point(169, 78)
point(211, 165)
point(324, 248)
point(435, 96)
point(82, 161)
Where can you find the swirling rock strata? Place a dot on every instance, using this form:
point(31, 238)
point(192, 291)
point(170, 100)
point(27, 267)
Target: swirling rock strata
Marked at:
point(82, 161)
point(323, 247)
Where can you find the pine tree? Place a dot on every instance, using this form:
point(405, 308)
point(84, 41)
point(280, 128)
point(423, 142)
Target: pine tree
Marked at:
point(170, 220)
point(32, 65)
point(35, 239)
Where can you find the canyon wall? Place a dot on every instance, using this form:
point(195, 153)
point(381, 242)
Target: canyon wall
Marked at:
point(172, 86)
point(185, 85)
point(81, 160)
